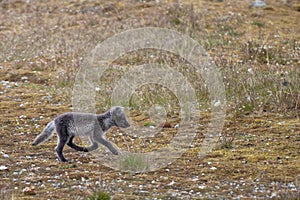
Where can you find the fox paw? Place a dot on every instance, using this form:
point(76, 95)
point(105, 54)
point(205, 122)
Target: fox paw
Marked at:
point(63, 160)
point(115, 152)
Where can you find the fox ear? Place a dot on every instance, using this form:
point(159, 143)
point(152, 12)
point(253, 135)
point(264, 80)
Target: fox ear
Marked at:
point(117, 110)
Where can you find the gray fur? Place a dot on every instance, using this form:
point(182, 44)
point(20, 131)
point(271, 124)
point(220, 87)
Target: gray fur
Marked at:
point(45, 135)
point(70, 125)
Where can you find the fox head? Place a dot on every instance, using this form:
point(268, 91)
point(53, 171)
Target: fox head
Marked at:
point(119, 117)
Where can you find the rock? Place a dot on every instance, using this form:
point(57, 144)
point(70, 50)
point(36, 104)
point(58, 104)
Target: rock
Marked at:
point(258, 4)
point(195, 179)
point(171, 183)
point(29, 191)
point(23, 78)
point(217, 103)
point(3, 168)
point(202, 187)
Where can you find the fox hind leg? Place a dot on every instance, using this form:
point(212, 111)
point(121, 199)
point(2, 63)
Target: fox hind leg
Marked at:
point(74, 146)
point(61, 142)
point(59, 148)
point(79, 148)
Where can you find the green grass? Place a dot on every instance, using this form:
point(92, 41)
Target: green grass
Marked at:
point(259, 24)
point(149, 124)
point(100, 196)
point(134, 163)
point(71, 166)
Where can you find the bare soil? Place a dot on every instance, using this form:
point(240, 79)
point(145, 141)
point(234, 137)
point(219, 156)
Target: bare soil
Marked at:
point(41, 50)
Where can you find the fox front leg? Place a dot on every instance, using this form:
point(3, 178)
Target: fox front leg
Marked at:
point(100, 139)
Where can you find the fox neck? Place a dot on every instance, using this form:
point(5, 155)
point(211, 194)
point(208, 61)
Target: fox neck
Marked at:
point(108, 121)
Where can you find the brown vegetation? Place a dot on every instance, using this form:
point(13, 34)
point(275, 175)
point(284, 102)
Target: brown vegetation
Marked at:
point(43, 44)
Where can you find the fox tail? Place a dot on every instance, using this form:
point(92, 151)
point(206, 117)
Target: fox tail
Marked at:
point(45, 135)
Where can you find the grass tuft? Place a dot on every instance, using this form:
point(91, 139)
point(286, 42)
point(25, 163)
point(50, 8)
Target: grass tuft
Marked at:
point(100, 196)
point(134, 163)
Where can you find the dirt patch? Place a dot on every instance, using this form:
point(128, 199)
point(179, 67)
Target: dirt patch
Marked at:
point(257, 51)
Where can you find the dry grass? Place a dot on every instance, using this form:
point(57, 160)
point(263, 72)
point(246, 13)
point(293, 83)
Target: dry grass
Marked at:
point(43, 45)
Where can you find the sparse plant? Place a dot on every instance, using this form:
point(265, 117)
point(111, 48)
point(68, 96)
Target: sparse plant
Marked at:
point(100, 196)
point(259, 24)
point(149, 124)
point(226, 140)
point(134, 163)
point(68, 166)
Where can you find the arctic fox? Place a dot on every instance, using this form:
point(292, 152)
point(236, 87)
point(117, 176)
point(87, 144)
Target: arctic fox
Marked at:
point(69, 125)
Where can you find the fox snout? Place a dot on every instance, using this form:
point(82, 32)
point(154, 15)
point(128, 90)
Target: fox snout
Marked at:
point(125, 124)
